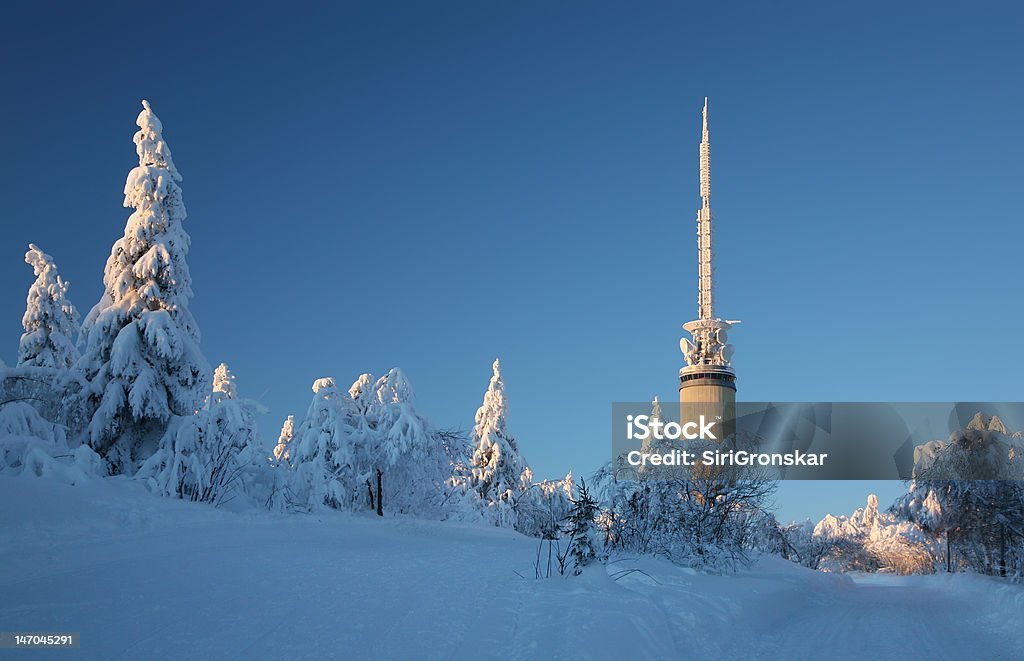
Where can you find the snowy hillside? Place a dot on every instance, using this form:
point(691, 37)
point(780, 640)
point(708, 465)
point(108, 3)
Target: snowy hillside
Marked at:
point(144, 577)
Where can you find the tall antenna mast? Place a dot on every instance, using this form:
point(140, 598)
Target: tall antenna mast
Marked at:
point(710, 338)
point(705, 263)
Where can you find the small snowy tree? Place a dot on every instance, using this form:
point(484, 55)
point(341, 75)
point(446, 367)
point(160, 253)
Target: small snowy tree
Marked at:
point(281, 454)
point(232, 442)
point(320, 452)
point(212, 450)
point(142, 357)
point(497, 466)
point(581, 527)
point(50, 321)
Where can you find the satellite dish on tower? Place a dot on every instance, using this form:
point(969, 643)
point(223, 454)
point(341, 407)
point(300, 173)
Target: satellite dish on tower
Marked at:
point(688, 349)
point(722, 336)
point(727, 352)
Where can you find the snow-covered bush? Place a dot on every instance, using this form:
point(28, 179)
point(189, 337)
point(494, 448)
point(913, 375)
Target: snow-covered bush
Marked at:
point(541, 507)
point(801, 545)
point(52, 391)
point(23, 429)
point(50, 321)
point(710, 523)
point(208, 457)
point(766, 535)
point(34, 447)
point(141, 357)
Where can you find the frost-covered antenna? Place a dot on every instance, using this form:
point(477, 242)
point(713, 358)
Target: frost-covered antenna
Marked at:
point(706, 282)
point(710, 338)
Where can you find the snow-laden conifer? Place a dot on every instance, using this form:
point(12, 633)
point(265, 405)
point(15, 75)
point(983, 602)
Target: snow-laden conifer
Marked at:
point(497, 466)
point(320, 450)
point(50, 321)
point(142, 357)
point(581, 527)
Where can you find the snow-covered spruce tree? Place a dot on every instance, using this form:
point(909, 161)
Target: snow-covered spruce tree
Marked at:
point(281, 453)
point(50, 321)
point(142, 358)
point(580, 526)
point(321, 455)
point(42, 378)
point(497, 466)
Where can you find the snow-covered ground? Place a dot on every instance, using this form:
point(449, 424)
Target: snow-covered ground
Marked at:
point(145, 577)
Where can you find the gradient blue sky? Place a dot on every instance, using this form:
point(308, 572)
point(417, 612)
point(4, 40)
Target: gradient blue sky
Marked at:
point(431, 185)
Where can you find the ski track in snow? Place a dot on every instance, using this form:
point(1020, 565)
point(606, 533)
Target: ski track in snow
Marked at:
point(149, 578)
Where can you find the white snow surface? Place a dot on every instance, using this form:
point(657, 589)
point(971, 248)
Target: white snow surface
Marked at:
point(143, 577)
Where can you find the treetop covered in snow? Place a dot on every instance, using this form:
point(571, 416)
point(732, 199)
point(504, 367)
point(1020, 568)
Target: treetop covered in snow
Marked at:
point(491, 416)
point(224, 382)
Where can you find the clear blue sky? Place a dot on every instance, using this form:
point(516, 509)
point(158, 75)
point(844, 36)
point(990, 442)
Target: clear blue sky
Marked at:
point(431, 185)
